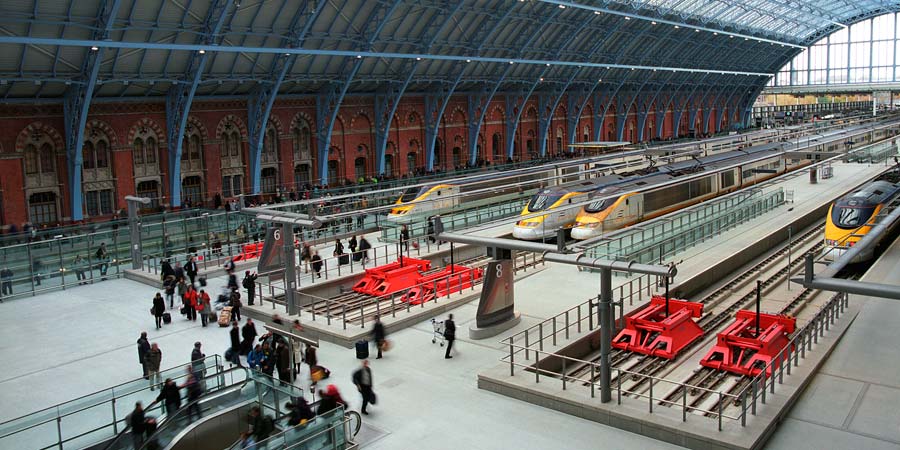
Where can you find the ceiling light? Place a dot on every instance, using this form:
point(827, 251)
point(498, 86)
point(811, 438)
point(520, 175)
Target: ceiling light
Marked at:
point(548, 64)
point(652, 23)
point(627, 18)
point(418, 59)
point(600, 80)
point(746, 39)
point(562, 6)
point(511, 62)
point(468, 60)
point(287, 54)
point(358, 56)
point(696, 30)
point(677, 27)
point(715, 34)
point(94, 48)
point(201, 51)
point(542, 78)
point(597, 12)
point(730, 36)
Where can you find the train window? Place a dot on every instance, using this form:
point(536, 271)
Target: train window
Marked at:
point(728, 179)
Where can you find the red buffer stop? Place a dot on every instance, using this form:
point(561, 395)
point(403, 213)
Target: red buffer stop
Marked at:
point(650, 332)
point(740, 349)
point(393, 277)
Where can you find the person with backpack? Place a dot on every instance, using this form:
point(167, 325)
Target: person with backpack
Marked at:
point(249, 284)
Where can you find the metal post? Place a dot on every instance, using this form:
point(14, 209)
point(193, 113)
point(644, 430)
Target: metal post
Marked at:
point(511, 358)
point(651, 395)
point(758, 291)
point(684, 403)
point(667, 296)
point(564, 373)
point(290, 274)
point(593, 385)
point(789, 259)
point(720, 411)
point(605, 333)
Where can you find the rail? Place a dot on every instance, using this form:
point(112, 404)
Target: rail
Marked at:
point(756, 391)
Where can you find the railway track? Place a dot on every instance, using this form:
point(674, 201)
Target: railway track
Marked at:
point(714, 316)
point(356, 308)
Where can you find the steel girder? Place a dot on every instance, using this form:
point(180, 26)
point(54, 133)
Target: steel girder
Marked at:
point(515, 105)
point(477, 105)
point(386, 102)
point(575, 104)
point(547, 103)
point(600, 113)
point(644, 106)
point(328, 103)
point(181, 95)
point(435, 105)
point(76, 104)
point(259, 104)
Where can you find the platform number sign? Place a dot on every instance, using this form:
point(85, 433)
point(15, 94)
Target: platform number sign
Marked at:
point(272, 256)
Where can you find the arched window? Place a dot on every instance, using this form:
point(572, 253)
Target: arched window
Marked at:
point(268, 180)
point(42, 208)
point(89, 156)
point(270, 146)
point(457, 157)
point(150, 151)
point(32, 166)
point(586, 134)
point(149, 189)
point(359, 167)
point(192, 190)
point(302, 142)
point(137, 151)
point(333, 176)
point(559, 140)
point(410, 161)
point(496, 144)
point(389, 164)
point(302, 175)
point(235, 147)
point(438, 152)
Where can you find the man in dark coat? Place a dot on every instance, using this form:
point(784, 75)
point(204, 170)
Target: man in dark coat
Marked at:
point(191, 269)
point(378, 335)
point(159, 308)
point(249, 284)
point(235, 350)
point(138, 424)
point(248, 332)
point(170, 396)
point(449, 334)
point(284, 363)
point(362, 378)
point(143, 346)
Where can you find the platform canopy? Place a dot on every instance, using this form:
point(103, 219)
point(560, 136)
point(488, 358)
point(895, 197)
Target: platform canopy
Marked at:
point(600, 145)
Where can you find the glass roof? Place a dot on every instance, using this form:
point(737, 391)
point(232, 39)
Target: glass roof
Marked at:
point(797, 19)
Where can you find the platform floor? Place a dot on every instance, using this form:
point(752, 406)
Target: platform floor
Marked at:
point(852, 401)
point(61, 345)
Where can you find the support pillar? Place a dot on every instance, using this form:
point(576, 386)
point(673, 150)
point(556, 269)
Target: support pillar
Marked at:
point(134, 230)
point(605, 334)
point(290, 272)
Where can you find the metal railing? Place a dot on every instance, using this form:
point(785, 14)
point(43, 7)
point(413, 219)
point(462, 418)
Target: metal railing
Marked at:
point(758, 387)
point(93, 417)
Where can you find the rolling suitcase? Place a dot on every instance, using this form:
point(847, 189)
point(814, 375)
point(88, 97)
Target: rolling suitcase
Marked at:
point(362, 349)
point(202, 281)
point(167, 318)
point(225, 317)
point(344, 259)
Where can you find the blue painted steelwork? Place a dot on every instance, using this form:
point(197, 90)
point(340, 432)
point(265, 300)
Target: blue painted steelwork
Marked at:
point(328, 103)
point(435, 105)
point(547, 103)
point(576, 102)
point(646, 104)
point(76, 104)
point(259, 105)
point(353, 54)
point(181, 94)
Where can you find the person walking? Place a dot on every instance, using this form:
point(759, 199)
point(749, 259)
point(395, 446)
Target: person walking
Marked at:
point(102, 258)
point(194, 391)
point(78, 265)
point(170, 396)
point(317, 263)
point(159, 308)
point(190, 298)
point(329, 400)
point(283, 363)
point(143, 346)
point(203, 307)
point(404, 238)
point(138, 424)
point(306, 256)
point(267, 364)
point(249, 284)
point(338, 250)
point(234, 352)
point(191, 269)
point(169, 285)
point(182, 291)
point(362, 378)
point(449, 334)
point(248, 332)
point(236, 305)
point(166, 270)
point(179, 272)
point(152, 360)
point(430, 230)
point(197, 363)
point(364, 247)
point(262, 425)
point(6, 276)
point(36, 268)
point(353, 244)
point(378, 335)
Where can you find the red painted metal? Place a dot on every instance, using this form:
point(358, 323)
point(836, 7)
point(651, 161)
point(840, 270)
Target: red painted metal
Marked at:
point(449, 280)
point(649, 332)
point(739, 350)
point(393, 277)
point(249, 251)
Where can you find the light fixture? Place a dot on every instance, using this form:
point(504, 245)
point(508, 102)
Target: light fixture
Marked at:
point(562, 6)
point(652, 23)
point(418, 59)
point(511, 62)
point(696, 30)
point(715, 34)
point(730, 36)
point(746, 39)
point(597, 12)
point(677, 27)
point(468, 60)
point(358, 56)
point(94, 48)
point(600, 80)
point(201, 51)
point(627, 18)
point(542, 78)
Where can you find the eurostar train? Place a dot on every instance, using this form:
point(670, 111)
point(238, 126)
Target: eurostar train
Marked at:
point(421, 201)
point(852, 216)
point(630, 207)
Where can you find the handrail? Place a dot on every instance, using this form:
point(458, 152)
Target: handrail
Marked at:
point(141, 380)
point(184, 409)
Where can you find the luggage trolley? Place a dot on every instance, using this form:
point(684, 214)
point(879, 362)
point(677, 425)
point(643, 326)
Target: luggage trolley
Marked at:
point(438, 334)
